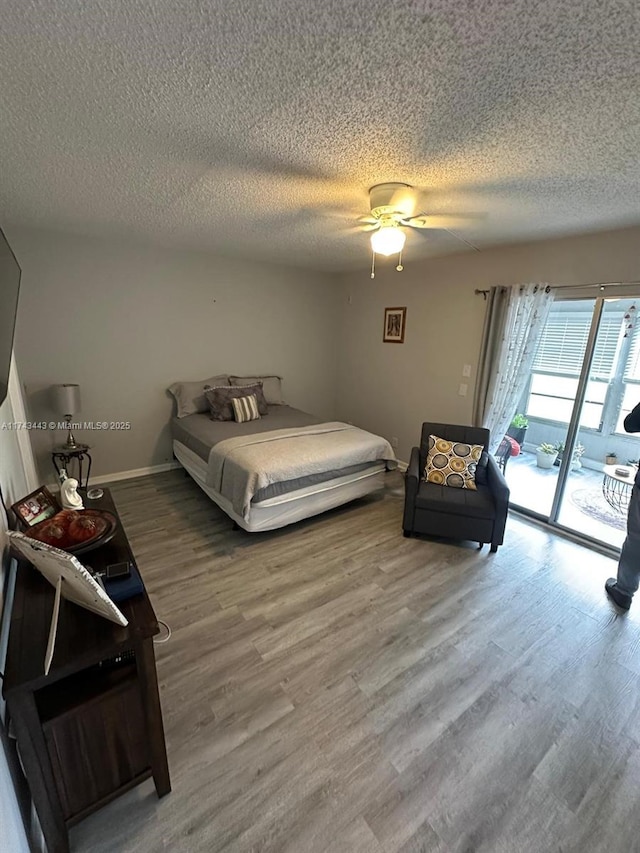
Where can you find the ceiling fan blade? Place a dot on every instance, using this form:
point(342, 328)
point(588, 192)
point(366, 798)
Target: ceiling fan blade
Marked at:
point(423, 233)
point(368, 223)
point(444, 220)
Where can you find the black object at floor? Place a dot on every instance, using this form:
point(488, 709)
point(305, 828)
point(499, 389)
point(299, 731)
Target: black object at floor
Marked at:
point(616, 595)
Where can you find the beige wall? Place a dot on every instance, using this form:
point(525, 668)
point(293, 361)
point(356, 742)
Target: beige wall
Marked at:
point(393, 388)
point(125, 321)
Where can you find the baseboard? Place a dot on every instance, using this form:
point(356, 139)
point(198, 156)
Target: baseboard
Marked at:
point(402, 466)
point(134, 472)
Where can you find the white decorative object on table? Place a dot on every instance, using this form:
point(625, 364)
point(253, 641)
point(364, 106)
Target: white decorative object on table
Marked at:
point(69, 497)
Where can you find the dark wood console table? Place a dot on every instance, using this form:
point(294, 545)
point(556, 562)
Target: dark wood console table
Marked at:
point(92, 728)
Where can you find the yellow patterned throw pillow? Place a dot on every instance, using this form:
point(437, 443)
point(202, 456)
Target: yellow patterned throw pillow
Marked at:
point(452, 463)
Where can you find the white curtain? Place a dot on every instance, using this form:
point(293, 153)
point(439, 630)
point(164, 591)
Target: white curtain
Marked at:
point(515, 319)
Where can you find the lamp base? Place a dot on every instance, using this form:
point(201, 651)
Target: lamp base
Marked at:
point(70, 442)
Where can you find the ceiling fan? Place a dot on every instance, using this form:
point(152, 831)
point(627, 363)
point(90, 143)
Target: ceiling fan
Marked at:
point(393, 206)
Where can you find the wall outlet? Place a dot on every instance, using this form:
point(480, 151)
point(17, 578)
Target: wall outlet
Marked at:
point(466, 370)
point(462, 390)
point(394, 442)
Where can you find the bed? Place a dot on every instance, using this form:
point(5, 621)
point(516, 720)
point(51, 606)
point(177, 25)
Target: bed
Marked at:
point(278, 469)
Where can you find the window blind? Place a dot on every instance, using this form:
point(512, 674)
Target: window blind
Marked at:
point(564, 341)
point(632, 367)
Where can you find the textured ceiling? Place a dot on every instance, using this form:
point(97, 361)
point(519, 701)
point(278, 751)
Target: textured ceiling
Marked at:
point(256, 127)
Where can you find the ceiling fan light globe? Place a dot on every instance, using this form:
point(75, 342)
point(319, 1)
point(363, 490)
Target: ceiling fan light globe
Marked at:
point(388, 241)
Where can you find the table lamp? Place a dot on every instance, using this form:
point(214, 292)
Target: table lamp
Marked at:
point(66, 401)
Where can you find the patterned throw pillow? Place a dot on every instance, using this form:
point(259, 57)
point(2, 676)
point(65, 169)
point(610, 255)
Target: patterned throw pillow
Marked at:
point(245, 408)
point(452, 463)
point(271, 385)
point(219, 400)
point(257, 389)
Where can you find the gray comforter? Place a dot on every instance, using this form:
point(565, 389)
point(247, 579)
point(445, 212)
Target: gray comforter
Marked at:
point(240, 467)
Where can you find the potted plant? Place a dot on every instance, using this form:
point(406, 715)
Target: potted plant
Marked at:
point(578, 452)
point(518, 428)
point(546, 455)
point(610, 459)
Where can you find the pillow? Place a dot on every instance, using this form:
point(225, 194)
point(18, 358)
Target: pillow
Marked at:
point(272, 387)
point(256, 389)
point(245, 408)
point(189, 396)
point(219, 400)
point(452, 463)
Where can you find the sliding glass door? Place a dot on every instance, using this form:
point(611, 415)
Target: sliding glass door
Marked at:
point(584, 380)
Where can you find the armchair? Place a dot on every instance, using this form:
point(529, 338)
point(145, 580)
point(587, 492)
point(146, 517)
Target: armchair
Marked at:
point(436, 510)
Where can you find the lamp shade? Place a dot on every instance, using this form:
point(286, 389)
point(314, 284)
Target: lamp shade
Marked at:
point(66, 399)
point(388, 240)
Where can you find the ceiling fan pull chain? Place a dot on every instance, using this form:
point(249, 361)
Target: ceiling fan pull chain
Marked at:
point(400, 267)
point(373, 264)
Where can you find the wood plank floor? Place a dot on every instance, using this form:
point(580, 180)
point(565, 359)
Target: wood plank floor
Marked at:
point(335, 687)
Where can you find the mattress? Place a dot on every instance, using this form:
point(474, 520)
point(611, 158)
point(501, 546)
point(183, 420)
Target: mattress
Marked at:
point(285, 509)
point(280, 503)
point(199, 434)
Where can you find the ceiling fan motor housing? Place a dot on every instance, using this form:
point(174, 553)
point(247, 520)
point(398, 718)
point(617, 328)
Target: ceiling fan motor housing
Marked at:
point(392, 201)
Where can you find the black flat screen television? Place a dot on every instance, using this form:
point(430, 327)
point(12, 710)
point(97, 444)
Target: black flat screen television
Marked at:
point(9, 289)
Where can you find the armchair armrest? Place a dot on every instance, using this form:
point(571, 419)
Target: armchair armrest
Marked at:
point(413, 471)
point(500, 491)
point(411, 483)
point(497, 484)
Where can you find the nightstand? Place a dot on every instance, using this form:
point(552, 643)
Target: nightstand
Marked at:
point(62, 454)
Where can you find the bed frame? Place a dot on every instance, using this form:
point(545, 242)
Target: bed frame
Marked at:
point(286, 509)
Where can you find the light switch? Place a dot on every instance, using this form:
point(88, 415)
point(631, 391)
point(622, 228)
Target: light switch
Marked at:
point(466, 370)
point(462, 390)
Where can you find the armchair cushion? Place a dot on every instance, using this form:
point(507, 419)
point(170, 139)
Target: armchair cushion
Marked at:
point(452, 463)
point(477, 503)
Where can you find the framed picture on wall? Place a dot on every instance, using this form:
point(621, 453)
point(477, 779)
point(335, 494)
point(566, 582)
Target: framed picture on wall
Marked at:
point(394, 323)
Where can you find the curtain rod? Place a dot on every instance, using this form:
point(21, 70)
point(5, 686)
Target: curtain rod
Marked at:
point(600, 284)
point(485, 293)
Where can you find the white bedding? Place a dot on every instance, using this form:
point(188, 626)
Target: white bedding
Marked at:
point(290, 507)
point(240, 467)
